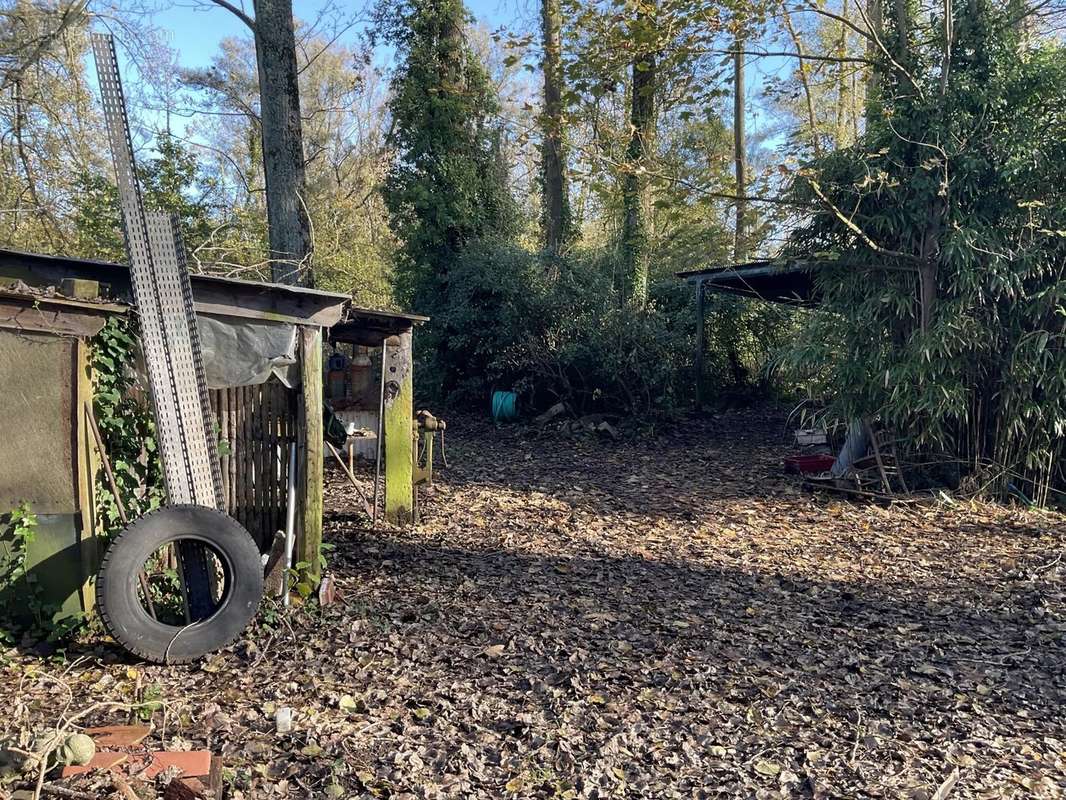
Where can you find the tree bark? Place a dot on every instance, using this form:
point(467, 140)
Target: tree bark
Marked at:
point(554, 191)
point(740, 243)
point(805, 84)
point(634, 184)
point(842, 82)
point(904, 13)
point(875, 15)
point(283, 158)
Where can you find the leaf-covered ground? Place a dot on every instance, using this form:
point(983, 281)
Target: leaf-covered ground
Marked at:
point(667, 617)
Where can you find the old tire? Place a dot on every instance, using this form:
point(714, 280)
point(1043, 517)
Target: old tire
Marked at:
point(126, 619)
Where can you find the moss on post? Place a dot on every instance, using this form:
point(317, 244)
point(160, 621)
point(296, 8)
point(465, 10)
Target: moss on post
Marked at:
point(399, 442)
point(309, 470)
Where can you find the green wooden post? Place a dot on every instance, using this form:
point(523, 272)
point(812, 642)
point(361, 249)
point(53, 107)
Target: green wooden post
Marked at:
point(399, 441)
point(309, 470)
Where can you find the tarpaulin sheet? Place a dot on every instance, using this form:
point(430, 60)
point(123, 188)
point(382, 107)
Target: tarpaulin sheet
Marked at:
point(246, 352)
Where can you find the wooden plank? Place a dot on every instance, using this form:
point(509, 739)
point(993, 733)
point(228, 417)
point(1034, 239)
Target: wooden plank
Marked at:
point(231, 464)
point(222, 415)
point(257, 458)
point(399, 441)
point(283, 436)
point(19, 317)
point(367, 337)
point(310, 485)
point(86, 466)
point(281, 452)
point(267, 305)
point(245, 476)
point(238, 447)
point(262, 477)
point(270, 475)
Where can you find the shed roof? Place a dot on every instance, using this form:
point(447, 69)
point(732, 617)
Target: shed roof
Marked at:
point(781, 281)
point(213, 294)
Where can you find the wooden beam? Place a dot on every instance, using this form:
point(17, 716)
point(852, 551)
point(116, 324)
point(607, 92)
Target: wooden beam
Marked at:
point(309, 468)
point(86, 465)
point(399, 439)
point(49, 317)
point(242, 301)
point(367, 337)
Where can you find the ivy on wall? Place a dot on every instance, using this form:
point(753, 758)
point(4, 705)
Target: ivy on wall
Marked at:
point(124, 416)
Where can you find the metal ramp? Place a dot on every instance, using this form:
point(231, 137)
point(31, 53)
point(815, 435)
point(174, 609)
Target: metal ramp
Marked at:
point(169, 338)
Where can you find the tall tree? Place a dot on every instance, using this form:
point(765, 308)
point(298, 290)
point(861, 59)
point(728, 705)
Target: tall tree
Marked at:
point(555, 188)
point(343, 101)
point(289, 229)
point(50, 128)
point(635, 232)
point(444, 188)
point(875, 79)
point(740, 239)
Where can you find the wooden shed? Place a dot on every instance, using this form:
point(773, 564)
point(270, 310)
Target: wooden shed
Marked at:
point(263, 357)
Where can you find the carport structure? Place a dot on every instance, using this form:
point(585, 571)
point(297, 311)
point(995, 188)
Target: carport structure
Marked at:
point(783, 281)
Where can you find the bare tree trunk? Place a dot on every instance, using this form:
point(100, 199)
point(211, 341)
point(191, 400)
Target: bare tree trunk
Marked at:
point(805, 83)
point(875, 14)
point(634, 184)
point(740, 243)
point(283, 157)
point(903, 29)
point(554, 190)
point(930, 248)
point(842, 80)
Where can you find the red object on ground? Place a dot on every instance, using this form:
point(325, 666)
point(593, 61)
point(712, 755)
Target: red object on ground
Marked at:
point(194, 764)
point(119, 735)
point(101, 760)
point(806, 465)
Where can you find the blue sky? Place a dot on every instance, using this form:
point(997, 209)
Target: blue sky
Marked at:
point(195, 30)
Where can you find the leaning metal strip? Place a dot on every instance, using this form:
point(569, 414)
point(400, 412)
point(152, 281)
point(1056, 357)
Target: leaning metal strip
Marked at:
point(179, 323)
point(157, 287)
point(198, 365)
point(142, 274)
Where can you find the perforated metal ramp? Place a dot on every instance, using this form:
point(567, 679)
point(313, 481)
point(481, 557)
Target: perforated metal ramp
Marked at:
point(169, 338)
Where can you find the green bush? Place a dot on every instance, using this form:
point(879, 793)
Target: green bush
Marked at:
point(504, 319)
point(964, 182)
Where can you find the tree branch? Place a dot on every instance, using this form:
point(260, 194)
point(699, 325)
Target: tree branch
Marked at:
point(243, 17)
point(851, 226)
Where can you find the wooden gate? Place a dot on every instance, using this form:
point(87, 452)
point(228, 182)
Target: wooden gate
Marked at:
point(257, 426)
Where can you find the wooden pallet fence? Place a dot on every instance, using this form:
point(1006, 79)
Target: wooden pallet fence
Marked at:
point(256, 426)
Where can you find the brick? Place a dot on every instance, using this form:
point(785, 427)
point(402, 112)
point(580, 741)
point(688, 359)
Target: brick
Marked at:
point(119, 735)
point(102, 760)
point(193, 764)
